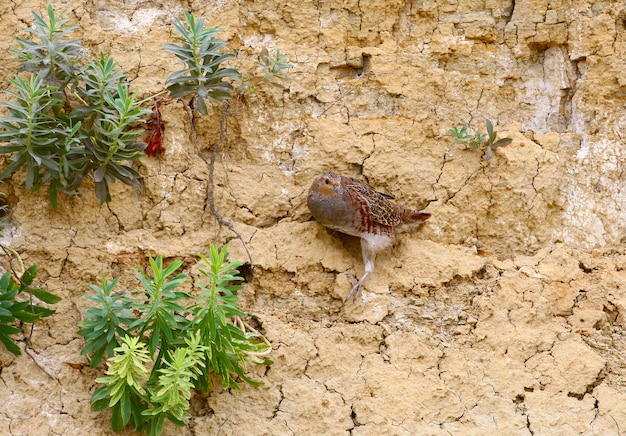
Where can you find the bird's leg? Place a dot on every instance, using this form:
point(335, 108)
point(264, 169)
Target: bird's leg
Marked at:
point(356, 289)
point(369, 257)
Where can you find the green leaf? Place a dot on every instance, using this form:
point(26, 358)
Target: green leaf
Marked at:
point(82, 111)
point(117, 420)
point(201, 105)
point(490, 132)
point(99, 174)
point(39, 312)
point(103, 392)
point(9, 343)
point(125, 409)
point(99, 405)
point(502, 142)
point(12, 310)
point(102, 191)
point(28, 276)
point(45, 296)
point(52, 196)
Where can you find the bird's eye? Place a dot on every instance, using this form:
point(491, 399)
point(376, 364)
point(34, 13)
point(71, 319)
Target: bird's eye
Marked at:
point(327, 181)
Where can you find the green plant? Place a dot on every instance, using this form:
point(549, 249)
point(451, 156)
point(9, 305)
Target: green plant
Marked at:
point(158, 306)
point(34, 134)
point(479, 141)
point(160, 342)
point(231, 345)
point(123, 389)
point(14, 309)
point(204, 77)
point(72, 117)
point(272, 66)
point(16, 296)
point(104, 323)
point(53, 56)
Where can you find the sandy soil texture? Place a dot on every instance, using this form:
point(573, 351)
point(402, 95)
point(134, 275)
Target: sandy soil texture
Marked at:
point(503, 314)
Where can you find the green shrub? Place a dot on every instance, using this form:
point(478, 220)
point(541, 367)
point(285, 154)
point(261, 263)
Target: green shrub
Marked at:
point(204, 77)
point(16, 307)
point(479, 141)
point(70, 117)
point(183, 339)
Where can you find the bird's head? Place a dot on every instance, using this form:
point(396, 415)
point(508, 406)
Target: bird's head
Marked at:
point(328, 184)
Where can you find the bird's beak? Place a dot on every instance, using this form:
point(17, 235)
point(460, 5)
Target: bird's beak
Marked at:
point(336, 188)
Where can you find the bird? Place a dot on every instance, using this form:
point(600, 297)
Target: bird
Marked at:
point(353, 207)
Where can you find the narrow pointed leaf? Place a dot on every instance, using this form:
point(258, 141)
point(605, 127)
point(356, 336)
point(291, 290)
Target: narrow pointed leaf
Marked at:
point(502, 142)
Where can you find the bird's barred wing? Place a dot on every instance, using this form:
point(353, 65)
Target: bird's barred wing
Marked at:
point(378, 207)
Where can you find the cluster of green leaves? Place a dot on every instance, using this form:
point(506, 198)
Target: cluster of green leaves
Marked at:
point(273, 65)
point(204, 77)
point(184, 338)
point(15, 308)
point(479, 141)
point(60, 141)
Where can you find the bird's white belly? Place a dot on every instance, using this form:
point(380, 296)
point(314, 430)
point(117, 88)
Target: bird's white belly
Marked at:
point(377, 242)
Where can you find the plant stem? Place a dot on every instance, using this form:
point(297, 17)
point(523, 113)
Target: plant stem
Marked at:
point(153, 96)
point(211, 164)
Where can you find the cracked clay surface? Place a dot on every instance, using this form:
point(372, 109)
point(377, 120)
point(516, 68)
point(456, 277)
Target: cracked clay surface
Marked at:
point(504, 314)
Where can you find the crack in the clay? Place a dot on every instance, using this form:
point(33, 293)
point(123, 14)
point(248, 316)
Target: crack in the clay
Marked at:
point(72, 244)
point(507, 12)
point(591, 386)
point(353, 418)
point(120, 226)
point(528, 425)
point(464, 184)
point(280, 401)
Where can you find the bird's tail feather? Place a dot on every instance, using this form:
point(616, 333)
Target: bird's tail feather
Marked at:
point(415, 215)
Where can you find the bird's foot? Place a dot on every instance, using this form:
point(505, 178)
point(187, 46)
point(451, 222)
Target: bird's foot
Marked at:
point(357, 287)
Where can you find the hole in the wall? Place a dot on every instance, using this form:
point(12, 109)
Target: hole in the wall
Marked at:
point(346, 71)
point(246, 272)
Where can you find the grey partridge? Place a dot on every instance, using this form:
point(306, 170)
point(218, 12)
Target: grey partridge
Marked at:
point(355, 208)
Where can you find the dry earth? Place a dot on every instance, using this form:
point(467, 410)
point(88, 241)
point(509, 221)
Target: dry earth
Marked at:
point(503, 314)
